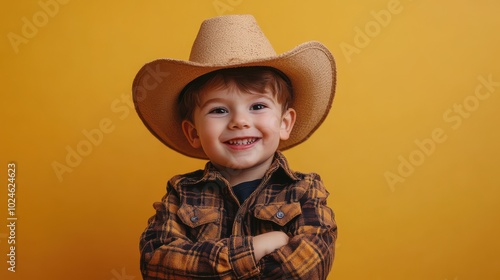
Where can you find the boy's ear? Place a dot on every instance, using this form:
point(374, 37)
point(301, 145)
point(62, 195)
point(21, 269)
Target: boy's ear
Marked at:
point(191, 134)
point(287, 122)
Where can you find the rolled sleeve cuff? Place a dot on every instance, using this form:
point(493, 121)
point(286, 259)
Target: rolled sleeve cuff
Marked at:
point(242, 258)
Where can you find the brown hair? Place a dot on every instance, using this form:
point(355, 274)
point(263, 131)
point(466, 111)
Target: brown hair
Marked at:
point(253, 79)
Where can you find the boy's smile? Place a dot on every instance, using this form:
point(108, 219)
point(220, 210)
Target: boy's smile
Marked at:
point(239, 131)
point(240, 144)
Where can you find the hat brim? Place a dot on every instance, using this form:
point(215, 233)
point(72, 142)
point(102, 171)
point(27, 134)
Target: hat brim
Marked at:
point(309, 66)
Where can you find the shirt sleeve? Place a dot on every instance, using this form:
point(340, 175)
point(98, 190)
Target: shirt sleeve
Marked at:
point(311, 248)
point(166, 252)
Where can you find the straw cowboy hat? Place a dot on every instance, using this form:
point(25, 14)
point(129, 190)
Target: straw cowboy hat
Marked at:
point(228, 42)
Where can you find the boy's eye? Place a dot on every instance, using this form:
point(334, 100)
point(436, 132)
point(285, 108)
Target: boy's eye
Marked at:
point(218, 110)
point(258, 106)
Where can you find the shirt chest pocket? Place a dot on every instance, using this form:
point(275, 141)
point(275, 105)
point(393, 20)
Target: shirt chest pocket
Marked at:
point(278, 213)
point(203, 222)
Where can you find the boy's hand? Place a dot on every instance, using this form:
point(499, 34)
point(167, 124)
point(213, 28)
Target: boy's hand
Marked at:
point(266, 243)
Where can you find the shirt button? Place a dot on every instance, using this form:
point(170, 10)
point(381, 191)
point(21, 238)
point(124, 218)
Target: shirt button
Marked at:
point(280, 215)
point(194, 219)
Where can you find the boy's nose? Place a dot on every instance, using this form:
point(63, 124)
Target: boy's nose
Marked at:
point(239, 121)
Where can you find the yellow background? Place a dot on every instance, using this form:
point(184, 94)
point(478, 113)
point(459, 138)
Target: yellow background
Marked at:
point(438, 220)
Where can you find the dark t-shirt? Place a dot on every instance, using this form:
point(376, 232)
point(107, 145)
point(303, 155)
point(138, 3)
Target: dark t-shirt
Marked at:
point(245, 189)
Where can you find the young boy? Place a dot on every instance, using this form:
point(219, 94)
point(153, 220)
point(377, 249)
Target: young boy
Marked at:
point(247, 215)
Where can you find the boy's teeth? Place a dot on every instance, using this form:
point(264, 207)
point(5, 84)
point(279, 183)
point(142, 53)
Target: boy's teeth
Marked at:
point(242, 141)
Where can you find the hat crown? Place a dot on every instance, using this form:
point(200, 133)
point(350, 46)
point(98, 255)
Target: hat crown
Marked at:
point(230, 39)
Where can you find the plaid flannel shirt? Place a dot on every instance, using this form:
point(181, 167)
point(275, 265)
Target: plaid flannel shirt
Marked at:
point(200, 230)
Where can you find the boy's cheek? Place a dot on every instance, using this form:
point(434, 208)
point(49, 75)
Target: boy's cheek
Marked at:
point(271, 121)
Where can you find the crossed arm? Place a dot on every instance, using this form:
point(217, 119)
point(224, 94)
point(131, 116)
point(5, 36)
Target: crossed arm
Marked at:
point(167, 252)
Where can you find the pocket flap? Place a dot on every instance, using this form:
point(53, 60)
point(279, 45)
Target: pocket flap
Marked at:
point(195, 216)
point(280, 214)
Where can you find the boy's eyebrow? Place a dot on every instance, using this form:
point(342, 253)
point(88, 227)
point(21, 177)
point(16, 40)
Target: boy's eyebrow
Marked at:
point(211, 100)
point(222, 100)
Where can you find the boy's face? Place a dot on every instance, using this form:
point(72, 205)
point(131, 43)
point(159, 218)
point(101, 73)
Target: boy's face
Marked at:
point(238, 130)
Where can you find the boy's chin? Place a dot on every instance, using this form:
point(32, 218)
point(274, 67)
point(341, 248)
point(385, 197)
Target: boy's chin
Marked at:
point(243, 165)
